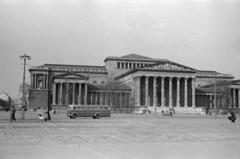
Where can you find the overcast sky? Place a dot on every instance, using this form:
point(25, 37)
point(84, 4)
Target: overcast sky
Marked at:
point(200, 34)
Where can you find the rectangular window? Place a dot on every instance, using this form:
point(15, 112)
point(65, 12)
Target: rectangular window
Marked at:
point(118, 65)
point(126, 64)
point(74, 108)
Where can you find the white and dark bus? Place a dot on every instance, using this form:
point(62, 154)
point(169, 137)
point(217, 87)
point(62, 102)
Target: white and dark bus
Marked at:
point(94, 111)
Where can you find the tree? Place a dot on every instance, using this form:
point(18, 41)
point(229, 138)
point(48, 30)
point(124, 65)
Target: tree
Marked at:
point(115, 90)
point(26, 91)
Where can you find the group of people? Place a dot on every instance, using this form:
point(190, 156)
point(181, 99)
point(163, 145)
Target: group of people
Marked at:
point(13, 112)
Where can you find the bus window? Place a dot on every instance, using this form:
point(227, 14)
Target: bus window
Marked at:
point(83, 108)
point(106, 108)
point(92, 108)
point(101, 107)
point(88, 107)
point(74, 108)
point(78, 108)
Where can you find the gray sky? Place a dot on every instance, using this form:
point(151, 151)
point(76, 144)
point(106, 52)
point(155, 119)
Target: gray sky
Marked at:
point(200, 34)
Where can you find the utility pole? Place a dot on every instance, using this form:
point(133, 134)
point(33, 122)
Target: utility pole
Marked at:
point(23, 93)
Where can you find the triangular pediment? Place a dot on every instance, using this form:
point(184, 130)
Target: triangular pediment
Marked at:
point(135, 56)
point(168, 65)
point(70, 75)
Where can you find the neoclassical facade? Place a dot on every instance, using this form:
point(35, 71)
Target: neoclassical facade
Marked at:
point(131, 80)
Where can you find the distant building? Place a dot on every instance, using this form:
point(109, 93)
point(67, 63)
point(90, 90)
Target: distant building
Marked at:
point(145, 81)
point(5, 101)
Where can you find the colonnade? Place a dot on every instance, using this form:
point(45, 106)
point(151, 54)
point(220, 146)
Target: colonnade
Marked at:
point(79, 94)
point(169, 91)
point(207, 100)
point(61, 94)
point(109, 98)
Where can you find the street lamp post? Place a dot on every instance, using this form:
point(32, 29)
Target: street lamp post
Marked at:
point(23, 93)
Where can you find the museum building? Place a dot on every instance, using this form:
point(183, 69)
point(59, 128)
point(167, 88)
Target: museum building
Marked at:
point(131, 80)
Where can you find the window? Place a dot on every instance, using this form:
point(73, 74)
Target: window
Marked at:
point(74, 108)
point(40, 84)
point(95, 82)
point(106, 108)
point(126, 65)
point(103, 83)
point(118, 65)
point(78, 108)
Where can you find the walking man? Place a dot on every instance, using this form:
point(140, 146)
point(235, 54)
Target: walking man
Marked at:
point(12, 113)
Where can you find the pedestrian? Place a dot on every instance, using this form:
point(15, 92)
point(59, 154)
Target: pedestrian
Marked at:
point(231, 116)
point(47, 116)
point(12, 113)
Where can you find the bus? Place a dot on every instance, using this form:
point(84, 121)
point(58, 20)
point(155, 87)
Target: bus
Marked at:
point(94, 111)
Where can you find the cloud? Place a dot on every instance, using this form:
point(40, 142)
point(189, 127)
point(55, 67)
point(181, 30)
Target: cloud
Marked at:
point(140, 19)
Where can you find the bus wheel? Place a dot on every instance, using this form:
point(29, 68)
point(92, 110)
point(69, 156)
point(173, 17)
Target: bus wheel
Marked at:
point(98, 116)
point(74, 116)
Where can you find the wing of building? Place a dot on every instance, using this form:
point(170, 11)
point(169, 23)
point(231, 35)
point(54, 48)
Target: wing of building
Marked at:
point(130, 81)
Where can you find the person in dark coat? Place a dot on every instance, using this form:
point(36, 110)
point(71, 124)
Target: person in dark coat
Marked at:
point(231, 116)
point(12, 114)
point(47, 115)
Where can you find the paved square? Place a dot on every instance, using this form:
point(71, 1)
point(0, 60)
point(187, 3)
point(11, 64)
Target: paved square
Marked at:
point(120, 136)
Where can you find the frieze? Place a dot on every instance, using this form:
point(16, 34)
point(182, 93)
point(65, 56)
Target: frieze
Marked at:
point(168, 66)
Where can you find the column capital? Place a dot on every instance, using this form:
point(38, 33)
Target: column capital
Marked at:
point(170, 77)
point(186, 78)
point(155, 77)
point(147, 77)
point(178, 78)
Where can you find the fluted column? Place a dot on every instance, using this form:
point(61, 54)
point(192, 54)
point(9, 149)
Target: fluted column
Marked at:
point(60, 92)
point(170, 91)
point(43, 82)
point(106, 98)
point(238, 98)
point(193, 92)
point(32, 86)
point(80, 94)
point(139, 90)
point(146, 91)
point(54, 93)
point(101, 96)
point(47, 82)
point(186, 93)
point(35, 83)
point(67, 91)
point(210, 101)
point(135, 90)
point(234, 98)
point(91, 98)
point(85, 95)
point(162, 92)
point(96, 98)
point(73, 97)
point(178, 91)
point(154, 91)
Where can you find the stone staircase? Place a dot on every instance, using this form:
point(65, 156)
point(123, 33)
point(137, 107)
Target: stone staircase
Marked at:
point(178, 110)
